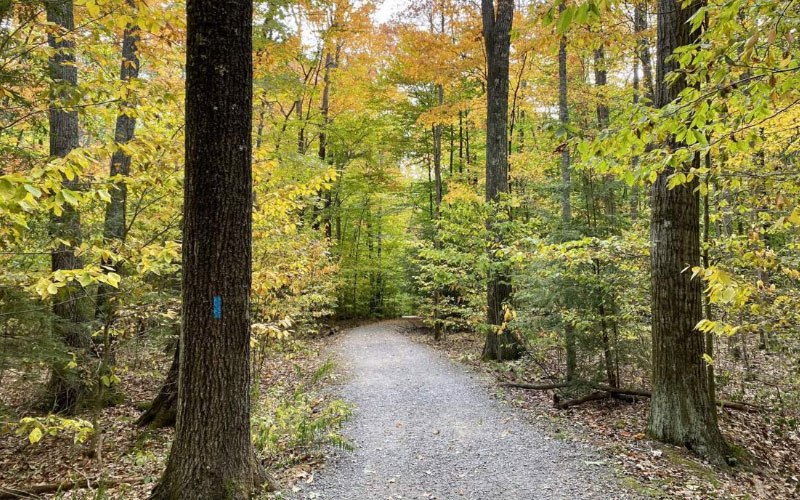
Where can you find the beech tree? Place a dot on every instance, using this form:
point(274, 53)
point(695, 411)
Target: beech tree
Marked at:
point(212, 456)
point(501, 343)
point(681, 410)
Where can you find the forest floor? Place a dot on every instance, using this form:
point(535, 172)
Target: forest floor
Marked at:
point(771, 466)
point(291, 397)
point(425, 428)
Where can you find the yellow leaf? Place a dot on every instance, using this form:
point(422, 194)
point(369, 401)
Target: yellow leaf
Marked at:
point(35, 435)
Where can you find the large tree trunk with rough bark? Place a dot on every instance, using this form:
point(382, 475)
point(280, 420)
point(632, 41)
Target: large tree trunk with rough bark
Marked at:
point(681, 410)
point(501, 342)
point(68, 388)
point(114, 226)
point(212, 456)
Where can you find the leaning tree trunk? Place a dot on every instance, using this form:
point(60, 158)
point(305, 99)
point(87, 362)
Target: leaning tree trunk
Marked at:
point(114, 225)
point(501, 342)
point(681, 410)
point(68, 388)
point(164, 408)
point(212, 456)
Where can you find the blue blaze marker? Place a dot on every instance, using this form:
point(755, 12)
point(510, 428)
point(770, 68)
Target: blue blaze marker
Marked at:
point(217, 307)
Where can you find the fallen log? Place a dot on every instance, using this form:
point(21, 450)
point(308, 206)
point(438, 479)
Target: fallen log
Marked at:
point(539, 387)
point(592, 396)
point(7, 492)
point(733, 405)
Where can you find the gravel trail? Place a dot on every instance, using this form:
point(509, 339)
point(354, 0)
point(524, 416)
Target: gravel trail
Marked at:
point(426, 428)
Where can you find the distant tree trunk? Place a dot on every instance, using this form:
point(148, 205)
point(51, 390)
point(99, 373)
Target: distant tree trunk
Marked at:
point(164, 409)
point(460, 142)
point(452, 149)
point(212, 456)
point(643, 48)
point(437, 169)
point(601, 80)
point(114, 226)
point(566, 209)
point(323, 138)
point(501, 342)
point(563, 116)
point(708, 313)
point(301, 134)
point(437, 213)
point(643, 57)
point(681, 410)
point(635, 161)
point(67, 388)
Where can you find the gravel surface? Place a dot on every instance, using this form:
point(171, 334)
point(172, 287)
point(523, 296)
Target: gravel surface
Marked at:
point(426, 428)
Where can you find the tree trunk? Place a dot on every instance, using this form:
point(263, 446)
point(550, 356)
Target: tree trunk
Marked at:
point(114, 225)
point(643, 48)
point(501, 342)
point(566, 208)
point(563, 116)
point(635, 161)
point(681, 410)
point(68, 388)
point(164, 409)
point(643, 57)
point(212, 456)
point(323, 138)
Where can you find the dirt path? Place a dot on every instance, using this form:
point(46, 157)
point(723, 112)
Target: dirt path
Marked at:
point(426, 428)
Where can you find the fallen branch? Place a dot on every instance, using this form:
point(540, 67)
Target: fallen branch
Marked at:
point(538, 387)
point(7, 492)
point(592, 396)
point(733, 405)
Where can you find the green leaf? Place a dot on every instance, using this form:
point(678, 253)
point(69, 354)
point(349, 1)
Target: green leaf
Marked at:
point(564, 20)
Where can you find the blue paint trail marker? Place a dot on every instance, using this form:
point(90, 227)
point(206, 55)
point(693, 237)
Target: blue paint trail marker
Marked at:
point(217, 307)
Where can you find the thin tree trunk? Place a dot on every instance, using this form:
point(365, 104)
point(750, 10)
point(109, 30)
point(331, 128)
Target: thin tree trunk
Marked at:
point(563, 116)
point(643, 49)
point(681, 411)
point(709, 336)
point(643, 57)
point(323, 138)
point(566, 209)
point(501, 342)
point(212, 456)
point(460, 142)
point(635, 160)
point(114, 226)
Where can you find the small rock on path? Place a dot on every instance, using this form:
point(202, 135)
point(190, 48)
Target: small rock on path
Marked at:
point(424, 428)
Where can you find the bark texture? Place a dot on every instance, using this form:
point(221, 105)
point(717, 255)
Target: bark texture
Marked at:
point(114, 226)
point(68, 388)
point(212, 456)
point(501, 343)
point(681, 410)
